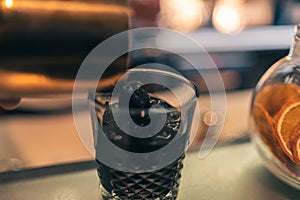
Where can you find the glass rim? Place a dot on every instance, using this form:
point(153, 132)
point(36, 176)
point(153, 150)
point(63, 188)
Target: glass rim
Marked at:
point(160, 72)
point(192, 100)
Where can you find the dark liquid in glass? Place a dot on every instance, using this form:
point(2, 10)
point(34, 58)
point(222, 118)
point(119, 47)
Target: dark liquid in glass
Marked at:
point(159, 184)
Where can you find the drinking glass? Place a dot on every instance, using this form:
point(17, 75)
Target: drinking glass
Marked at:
point(141, 131)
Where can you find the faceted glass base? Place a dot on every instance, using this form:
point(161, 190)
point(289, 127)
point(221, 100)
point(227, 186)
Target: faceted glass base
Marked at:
point(158, 185)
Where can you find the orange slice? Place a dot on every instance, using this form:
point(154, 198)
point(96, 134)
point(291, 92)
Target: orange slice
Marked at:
point(295, 144)
point(263, 123)
point(274, 96)
point(286, 120)
point(264, 126)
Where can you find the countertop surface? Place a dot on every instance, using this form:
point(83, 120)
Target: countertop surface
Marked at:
point(228, 172)
point(35, 138)
point(35, 141)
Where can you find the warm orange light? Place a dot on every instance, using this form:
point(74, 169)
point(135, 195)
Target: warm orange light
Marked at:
point(32, 84)
point(182, 15)
point(227, 17)
point(66, 6)
point(9, 3)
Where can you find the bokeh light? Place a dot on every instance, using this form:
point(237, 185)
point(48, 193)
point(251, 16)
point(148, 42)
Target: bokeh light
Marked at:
point(182, 15)
point(9, 3)
point(227, 17)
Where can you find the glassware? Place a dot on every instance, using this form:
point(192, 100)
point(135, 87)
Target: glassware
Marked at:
point(275, 114)
point(149, 103)
point(43, 43)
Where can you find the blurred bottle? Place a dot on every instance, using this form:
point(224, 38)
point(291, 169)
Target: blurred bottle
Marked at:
point(287, 12)
point(43, 43)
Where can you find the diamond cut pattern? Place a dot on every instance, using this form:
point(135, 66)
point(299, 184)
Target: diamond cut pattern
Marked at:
point(160, 185)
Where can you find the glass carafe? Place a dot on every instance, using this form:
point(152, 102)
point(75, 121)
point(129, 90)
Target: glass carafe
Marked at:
point(275, 112)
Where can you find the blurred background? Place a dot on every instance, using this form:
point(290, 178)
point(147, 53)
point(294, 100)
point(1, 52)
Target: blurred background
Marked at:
point(243, 37)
